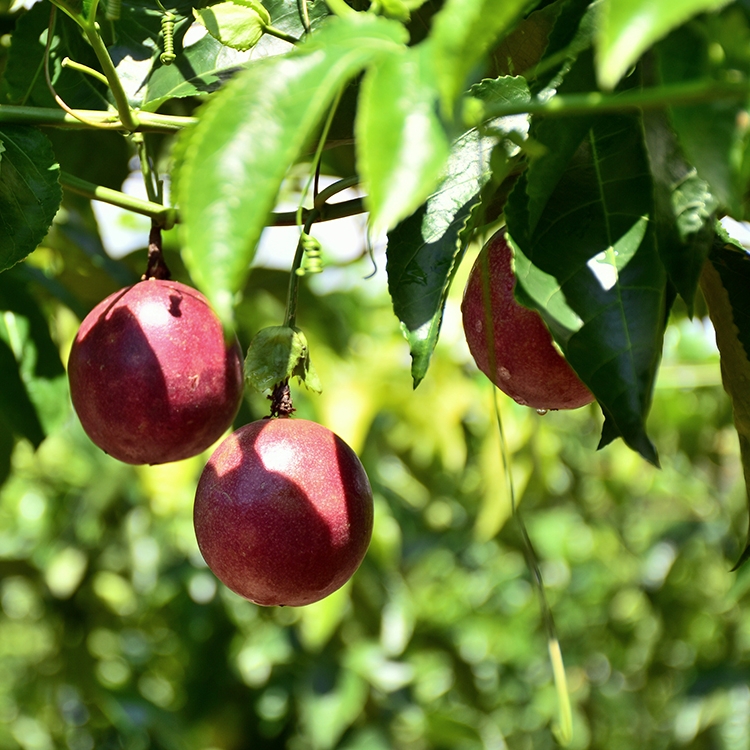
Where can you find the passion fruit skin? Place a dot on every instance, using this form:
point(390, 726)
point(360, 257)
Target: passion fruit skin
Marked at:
point(509, 342)
point(152, 378)
point(283, 512)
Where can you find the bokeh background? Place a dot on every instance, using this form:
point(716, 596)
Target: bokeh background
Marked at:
point(114, 634)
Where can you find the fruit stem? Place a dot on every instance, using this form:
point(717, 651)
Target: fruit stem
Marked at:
point(156, 267)
point(164, 216)
point(281, 400)
point(294, 277)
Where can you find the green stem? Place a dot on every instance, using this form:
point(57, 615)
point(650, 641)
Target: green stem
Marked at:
point(163, 216)
point(334, 189)
point(279, 34)
point(81, 68)
point(168, 217)
point(293, 294)
point(148, 122)
point(127, 115)
point(150, 178)
point(596, 102)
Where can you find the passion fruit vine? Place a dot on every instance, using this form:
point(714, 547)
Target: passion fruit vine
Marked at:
point(152, 378)
point(283, 512)
point(509, 342)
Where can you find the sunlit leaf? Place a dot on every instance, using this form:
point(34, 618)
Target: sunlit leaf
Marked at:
point(462, 33)
point(425, 249)
point(401, 144)
point(237, 156)
point(627, 28)
point(238, 25)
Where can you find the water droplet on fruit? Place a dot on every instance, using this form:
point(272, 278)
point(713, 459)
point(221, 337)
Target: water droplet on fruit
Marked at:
point(542, 412)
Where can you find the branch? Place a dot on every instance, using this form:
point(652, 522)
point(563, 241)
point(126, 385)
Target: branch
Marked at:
point(595, 102)
point(148, 122)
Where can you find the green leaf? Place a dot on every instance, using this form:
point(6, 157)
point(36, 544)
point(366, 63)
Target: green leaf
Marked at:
point(462, 33)
point(198, 71)
point(425, 249)
point(725, 282)
point(249, 134)
point(285, 15)
point(24, 74)
point(7, 443)
point(711, 134)
point(16, 407)
point(401, 144)
point(276, 354)
point(683, 207)
point(590, 265)
point(238, 25)
point(29, 191)
point(627, 28)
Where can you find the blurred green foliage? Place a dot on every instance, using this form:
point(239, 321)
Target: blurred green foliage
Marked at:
point(113, 633)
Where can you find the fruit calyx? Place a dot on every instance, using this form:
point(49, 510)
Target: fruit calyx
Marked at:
point(275, 355)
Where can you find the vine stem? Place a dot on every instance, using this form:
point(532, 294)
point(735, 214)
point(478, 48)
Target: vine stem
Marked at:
point(294, 277)
point(167, 217)
point(164, 216)
point(148, 122)
point(596, 102)
point(564, 730)
point(279, 34)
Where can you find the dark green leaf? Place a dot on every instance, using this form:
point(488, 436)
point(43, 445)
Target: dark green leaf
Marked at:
point(198, 70)
point(285, 15)
point(591, 267)
point(234, 160)
point(572, 33)
point(462, 33)
point(683, 207)
point(7, 444)
point(16, 407)
point(626, 29)
point(401, 144)
point(725, 283)
point(425, 249)
point(29, 191)
point(15, 298)
point(24, 74)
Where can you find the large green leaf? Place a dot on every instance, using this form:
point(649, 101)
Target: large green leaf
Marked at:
point(30, 193)
point(590, 265)
point(401, 144)
point(683, 207)
point(725, 283)
point(627, 28)
point(462, 33)
point(199, 70)
point(560, 139)
point(424, 250)
point(710, 134)
point(234, 160)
